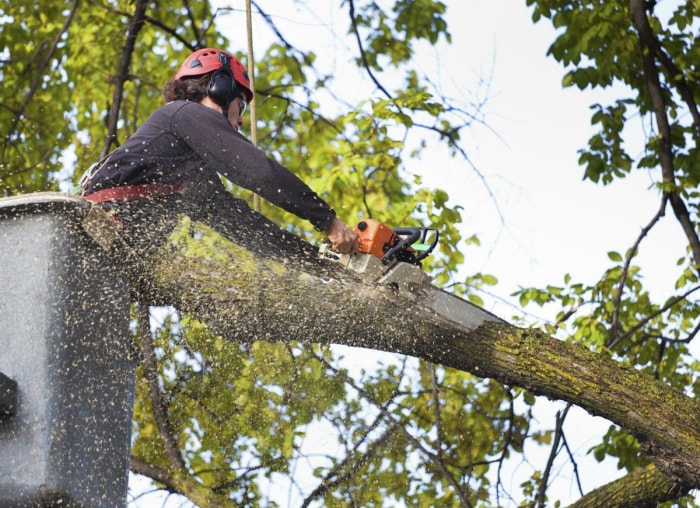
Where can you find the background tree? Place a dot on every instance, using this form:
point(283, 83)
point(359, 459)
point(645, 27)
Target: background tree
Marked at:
point(648, 52)
point(201, 429)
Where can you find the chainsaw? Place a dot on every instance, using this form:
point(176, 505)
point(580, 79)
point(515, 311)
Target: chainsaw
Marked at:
point(391, 257)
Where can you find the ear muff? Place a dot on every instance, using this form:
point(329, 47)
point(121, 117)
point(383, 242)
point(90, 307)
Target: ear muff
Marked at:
point(222, 84)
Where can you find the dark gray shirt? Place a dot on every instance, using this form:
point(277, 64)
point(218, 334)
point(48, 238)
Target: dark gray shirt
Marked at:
point(184, 141)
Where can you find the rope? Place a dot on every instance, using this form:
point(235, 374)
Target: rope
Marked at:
point(251, 77)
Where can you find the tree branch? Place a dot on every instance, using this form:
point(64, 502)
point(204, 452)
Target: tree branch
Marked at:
point(558, 435)
point(675, 77)
point(170, 445)
point(614, 326)
point(134, 26)
point(648, 45)
point(643, 488)
point(435, 458)
point(43, 65)
point(138, 466)
point(351, 464)
point(238, 285)
point(363, 56)
point(648, 318)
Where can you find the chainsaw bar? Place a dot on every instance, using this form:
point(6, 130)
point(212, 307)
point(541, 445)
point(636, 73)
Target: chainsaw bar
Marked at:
point(409, 281)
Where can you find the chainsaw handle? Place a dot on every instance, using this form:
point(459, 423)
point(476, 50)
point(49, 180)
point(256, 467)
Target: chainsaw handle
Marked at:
point(433, 244)
point(412, 235)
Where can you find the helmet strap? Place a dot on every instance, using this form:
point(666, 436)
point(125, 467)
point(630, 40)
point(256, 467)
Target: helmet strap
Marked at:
point(224, 108)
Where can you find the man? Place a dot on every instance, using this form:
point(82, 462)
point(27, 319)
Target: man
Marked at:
point(171, 166)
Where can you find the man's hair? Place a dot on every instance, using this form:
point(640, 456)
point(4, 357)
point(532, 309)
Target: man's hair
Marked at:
point(190, 89)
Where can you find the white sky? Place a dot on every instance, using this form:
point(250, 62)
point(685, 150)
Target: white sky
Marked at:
point(554, 223)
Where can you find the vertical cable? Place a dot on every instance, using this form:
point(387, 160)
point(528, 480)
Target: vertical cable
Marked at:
point(251, 77)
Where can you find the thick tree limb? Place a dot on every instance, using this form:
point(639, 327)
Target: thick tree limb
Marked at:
point(245, 298)
point(640, 489)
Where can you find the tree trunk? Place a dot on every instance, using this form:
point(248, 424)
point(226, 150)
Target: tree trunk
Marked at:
point(244, 297)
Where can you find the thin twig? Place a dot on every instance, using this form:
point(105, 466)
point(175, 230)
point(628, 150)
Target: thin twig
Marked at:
point(625, 269)
point(558, 433)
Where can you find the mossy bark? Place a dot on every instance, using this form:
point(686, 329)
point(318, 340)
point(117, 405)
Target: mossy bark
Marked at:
point(665, 421)
point(245, 297)
point(644, 488)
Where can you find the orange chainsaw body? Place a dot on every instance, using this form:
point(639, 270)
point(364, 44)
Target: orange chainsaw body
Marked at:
point(375, 238)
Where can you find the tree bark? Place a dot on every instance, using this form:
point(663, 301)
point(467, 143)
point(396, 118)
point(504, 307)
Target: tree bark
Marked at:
point(644, 488)
point(244, 297)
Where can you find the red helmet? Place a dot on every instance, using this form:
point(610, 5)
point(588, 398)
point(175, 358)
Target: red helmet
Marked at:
point(207, 60)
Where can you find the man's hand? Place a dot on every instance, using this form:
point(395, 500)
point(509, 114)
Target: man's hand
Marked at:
point(343, 239)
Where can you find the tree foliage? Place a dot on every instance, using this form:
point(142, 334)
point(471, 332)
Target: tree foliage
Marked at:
point(217, 421)
point(649, 52)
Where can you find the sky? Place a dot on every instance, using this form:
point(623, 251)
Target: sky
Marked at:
point(550, 221)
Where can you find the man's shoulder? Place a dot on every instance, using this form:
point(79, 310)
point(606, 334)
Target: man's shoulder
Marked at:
point(173, 107)
point(192, 110)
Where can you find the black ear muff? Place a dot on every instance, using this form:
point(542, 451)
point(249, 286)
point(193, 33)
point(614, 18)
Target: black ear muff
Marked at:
point(222, 83)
